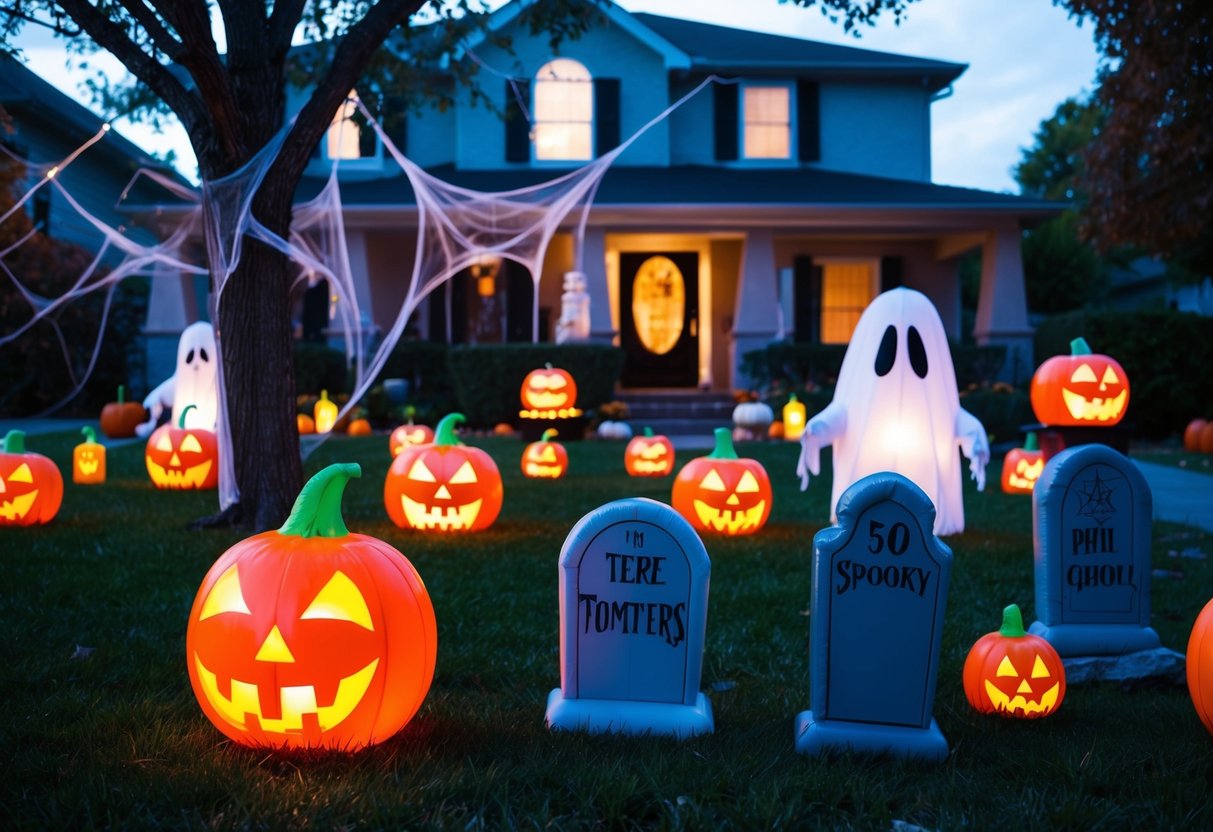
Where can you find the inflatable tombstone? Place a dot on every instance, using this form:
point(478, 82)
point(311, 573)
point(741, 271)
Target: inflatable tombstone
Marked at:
point(896, 408)
point(196, 382)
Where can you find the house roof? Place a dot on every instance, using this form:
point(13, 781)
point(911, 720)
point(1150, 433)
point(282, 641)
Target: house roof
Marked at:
point(723, 48)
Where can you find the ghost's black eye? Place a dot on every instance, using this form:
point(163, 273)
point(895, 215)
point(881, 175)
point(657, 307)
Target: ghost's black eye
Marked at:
point(202, 354)
point(189, 357)
point(887, 354)
point(918, 353)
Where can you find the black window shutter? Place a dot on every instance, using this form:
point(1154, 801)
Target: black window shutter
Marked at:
point(368, 139)
point(806, 296)
point(890, 273)
point(808, 120)
point(517, 128)
point(395, 120)
point(726, 121)
point(606, 115)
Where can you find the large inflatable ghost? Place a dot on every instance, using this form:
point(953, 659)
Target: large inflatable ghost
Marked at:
point(196, 382)
point(896, 408)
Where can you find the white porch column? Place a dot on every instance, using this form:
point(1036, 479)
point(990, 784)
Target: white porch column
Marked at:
point(756, 315)
point(593, 264)
point(1002, 307)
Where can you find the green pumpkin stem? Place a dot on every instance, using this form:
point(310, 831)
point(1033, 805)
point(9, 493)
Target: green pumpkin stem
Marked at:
point(724, 445)
point(1079, 347)
point(1012, 622)
point(648, 431)
point(121, 394)
point(548, 435)
point(317, 511)
point(14, 442)
point(90, 435)
point(1031, 443)
point(409, 413)
point(181, 418)
point(444, 434)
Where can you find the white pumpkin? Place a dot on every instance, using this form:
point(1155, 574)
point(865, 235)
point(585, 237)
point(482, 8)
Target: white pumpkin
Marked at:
point(614, 430)
point(756, 417)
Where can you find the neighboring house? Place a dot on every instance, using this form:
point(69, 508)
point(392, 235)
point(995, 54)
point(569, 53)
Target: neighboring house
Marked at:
point(1144, 283)
point(775, 207)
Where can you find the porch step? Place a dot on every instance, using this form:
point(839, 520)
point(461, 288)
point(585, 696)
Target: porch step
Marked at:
point(678, 413)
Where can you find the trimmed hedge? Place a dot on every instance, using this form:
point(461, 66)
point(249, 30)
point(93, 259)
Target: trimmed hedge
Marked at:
point(1167, 355)
point(319, 367)
point(487, 378)
point(1001, 409)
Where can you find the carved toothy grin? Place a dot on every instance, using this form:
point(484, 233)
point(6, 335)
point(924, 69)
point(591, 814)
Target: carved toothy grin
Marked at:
point(1090, 410)
point(645, 466)
point(729, 521)
point(1031, 473)
point(444, 518)
point(189, 478)
point(243, 707)
point(545, 401)
point(534, 469)
point(1004, 703)
point(88, 467)
point(18, 507)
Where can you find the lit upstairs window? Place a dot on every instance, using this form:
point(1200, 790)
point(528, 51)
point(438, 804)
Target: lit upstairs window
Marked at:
point(349, 136)
point(564, 112)
point(767, 126)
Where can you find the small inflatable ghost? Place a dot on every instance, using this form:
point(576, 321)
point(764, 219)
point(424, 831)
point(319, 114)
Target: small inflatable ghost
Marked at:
point(196, 383)
point(896, 408)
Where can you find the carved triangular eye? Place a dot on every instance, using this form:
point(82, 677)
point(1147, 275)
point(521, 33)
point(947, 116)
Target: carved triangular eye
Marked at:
point(464, 475)
point(163, 443)
point(420, 473)
point(1039, 671)
point(748, 484)
point(712, 482)
point(546, 454)
point(22, 474)
point(1110, 377)
point(1083, 373)
point(340, 600)
point(1005, 668)
point(190, 443)
point(226, 596)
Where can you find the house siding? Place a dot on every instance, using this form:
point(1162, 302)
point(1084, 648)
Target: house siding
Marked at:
point(877, 129)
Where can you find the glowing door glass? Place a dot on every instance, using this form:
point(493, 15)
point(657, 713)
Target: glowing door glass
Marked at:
point(658, 304)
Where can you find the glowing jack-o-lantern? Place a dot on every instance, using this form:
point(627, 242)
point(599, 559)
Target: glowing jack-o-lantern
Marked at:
point(1013, 673)
point(548, 388)
point(1022, 466)
point(649, 455)
point(324, 413)
point(119, 419)
point(88, 459)
point(312, 636)
point(1082, 388)
point(31, 487)
point(723, 493)
point(545, 459)
point(183, 458)
point(409, 434)
point(444, 486)
point(1200, 665)
point(793, 418)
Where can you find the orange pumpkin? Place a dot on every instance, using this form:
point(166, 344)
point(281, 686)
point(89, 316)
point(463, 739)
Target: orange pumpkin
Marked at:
point(548, 388)
point(1080, 389)
point(1022, 466)
point(182, 458)
point(1013, 673)
point(1200, 665)
point(312, 636)
point(359, 427)
point(723, 493)
point(325, 413)
point(1206, 439)
point(775, 431)
point(545, 459)
point(119, 419)
point(88, 459)
point(1192, 435)
point(409, 434)
point(649, 455)
point(305, 423)
point(444, 486)
point(31, 487)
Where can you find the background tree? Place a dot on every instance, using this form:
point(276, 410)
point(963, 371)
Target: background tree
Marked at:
point(232, 103)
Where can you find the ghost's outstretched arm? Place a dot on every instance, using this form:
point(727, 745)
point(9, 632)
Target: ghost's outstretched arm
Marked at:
point(155, 402)
point(973, 443)
point(820, 431)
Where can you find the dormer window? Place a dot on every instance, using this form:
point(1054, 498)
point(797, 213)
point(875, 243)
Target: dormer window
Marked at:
point(767, 121)
point(564, 112)
point(349, 136)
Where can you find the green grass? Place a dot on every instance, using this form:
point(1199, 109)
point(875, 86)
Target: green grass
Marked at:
point(117, 740)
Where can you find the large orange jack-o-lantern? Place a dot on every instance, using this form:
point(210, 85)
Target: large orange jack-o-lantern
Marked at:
point(723, 493)
point(1080, 389)
point(548, 388)
point(444, 486)
point(312, 636)
point(88, 459)
point(545, 459)
point(1022, 466)
point(649, 455)
point(31, 487)
point(1200, 666)
point(183, 458)
point(1013, 673)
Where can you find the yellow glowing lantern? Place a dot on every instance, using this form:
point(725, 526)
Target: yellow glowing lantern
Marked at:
point(793, 419)
point(88, 459)
point(325, 413)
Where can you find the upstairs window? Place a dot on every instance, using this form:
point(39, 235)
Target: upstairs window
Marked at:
point(564, 112)
point(349, 136)
point(767, 122)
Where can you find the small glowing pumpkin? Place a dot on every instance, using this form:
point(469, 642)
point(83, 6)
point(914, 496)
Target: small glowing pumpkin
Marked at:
point(312, 636)
point(1022, 466)
point(545, 459)
point(1080, 389)
point(1192, 435)
point(119, 419)
point(324, 413)
point(359, 427)
point(649, 455)
point(548, 388)
point(182, 458)
point(1013, 673)
point(793, 418)
point(409, 434)
point(1200, 666)
point(723, 493)
point(88, 459)
point(31, 487)
point(445, 486)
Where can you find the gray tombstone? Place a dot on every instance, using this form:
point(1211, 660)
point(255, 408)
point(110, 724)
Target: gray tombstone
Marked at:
point(880, 586)
point(633, 610)
point(1091, 521)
